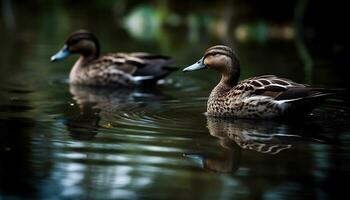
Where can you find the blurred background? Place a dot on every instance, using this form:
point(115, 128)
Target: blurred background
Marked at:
point(126, 146)
point(311, 33)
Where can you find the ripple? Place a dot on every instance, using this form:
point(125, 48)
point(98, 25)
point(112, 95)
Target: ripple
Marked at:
point(130, 138)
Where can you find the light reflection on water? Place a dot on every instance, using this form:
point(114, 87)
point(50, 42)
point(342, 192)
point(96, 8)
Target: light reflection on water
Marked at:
point(113, 145)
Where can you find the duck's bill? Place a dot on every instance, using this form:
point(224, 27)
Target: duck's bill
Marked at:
point(196, 66)
point(196, 158)
point(63, 53)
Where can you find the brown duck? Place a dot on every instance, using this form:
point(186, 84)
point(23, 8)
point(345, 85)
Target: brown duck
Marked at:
point(115, 69)
point(265, 96)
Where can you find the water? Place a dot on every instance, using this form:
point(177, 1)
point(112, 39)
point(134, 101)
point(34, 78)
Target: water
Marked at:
point(62, 141)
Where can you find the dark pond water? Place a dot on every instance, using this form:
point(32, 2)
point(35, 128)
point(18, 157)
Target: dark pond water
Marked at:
point(65, 142)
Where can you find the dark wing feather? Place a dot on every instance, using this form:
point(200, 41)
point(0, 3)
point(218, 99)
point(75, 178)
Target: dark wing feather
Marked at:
point(283, 89)
point(125, 62)
point(156, 66)
point(145, 64)
point(308, 92)
point(116, 61)
point(144, 55)
point(151, 66)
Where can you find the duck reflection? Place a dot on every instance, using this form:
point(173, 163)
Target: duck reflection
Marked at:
point(82, 123)
point(227, 162)
point(267, 137)
point(91, 104)
point(261, 136)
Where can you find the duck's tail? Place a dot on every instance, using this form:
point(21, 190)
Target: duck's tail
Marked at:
point(306, 104)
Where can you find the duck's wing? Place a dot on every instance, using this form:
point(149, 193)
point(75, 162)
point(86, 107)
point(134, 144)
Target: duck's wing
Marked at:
point(122, 62)
point(281, 89)
point(144, 67)
point(156, 66)
point(293, 98)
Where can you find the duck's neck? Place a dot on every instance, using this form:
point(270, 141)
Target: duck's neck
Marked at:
point(79, 67)
point(229, 79)
point(230, 75)
point(220, 90)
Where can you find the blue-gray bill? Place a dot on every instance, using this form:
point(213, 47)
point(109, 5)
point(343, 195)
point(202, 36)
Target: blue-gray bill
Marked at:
point(196, 66)
point(63, 53)
point(196, 158)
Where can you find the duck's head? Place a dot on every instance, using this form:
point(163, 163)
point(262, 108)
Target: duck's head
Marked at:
point(80, 42)
point(222, 59)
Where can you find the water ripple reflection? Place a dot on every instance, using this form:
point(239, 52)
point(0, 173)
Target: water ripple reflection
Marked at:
point(124, 143)
point(270, 137)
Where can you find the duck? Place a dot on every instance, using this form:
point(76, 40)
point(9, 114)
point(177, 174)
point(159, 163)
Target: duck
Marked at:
point(260, 97)
point(113, 69)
